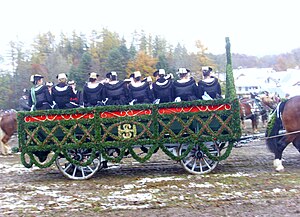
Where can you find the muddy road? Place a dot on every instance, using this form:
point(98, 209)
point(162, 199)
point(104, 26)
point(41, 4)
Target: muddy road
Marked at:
point(245, 184)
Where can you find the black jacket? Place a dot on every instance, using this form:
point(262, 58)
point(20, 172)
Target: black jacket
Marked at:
point(42, 96)
point(93, 96)
point(141, 94)
point(162, 89)
point(213, 88)
point(116, 94)
point(187, 91)
point(62, 95)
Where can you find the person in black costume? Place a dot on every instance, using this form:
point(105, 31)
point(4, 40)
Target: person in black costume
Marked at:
point(49, 85)
point(39, 97)
point(62, 93)
point(139, 92)
point(93, 91)
point(23, 101)
point(209, 87)
point(184, 89)
point(78, 100)
point(115, 91)
point(162, 88)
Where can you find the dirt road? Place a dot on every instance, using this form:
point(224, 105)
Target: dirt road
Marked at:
point(243, 185)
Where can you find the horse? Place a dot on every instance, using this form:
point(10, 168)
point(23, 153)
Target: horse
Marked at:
point(285, 116)
point(249, 109)
point(8, 126)
point(269, 104)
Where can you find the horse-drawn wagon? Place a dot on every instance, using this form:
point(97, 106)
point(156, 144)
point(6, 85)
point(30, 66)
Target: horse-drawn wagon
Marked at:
point(199, 133)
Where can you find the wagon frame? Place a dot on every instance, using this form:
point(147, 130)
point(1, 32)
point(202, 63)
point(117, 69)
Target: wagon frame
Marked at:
point(80, 141)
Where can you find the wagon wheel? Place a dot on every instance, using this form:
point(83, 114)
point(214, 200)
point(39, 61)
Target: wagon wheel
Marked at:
point(197, 162)
point(78, 172)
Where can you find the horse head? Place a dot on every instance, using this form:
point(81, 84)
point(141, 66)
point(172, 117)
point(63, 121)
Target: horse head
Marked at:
point(269, 102)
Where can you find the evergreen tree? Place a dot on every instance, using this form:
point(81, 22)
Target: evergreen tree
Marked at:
point(80, 74)
point(118, 60)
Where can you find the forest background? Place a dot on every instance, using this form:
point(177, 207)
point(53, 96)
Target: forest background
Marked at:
point(103, 51)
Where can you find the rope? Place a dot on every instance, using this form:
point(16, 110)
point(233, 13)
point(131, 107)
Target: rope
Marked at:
point(284, 134)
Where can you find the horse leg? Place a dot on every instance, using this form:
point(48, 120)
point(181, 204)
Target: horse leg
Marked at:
point(296, 143)
point(281, 145)
point(254, 124)
point(264, 118)
point(3, 146)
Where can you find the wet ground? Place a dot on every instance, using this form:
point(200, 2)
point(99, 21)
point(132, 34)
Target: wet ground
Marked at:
point(245, 184)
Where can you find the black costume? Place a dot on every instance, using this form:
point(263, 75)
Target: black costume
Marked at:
point(78, 100)
point(23, 103)
point(142, 94)
point(116, 93)
point(162, 90)
point(62, 95)
point(187, 91)
point(40, 98)
point(93, 95)
point(212, 88)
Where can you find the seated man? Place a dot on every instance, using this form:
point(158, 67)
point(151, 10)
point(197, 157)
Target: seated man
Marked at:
point(209, 87)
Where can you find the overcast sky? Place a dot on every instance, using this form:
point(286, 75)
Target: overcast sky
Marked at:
point(255, 27)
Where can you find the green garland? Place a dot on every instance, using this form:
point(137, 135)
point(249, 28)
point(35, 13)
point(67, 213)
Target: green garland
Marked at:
point(100, 134)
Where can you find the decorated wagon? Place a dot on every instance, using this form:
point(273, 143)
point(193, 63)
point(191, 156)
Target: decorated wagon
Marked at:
point(80, 141)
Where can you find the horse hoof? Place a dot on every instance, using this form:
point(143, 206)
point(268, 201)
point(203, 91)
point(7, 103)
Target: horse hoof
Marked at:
point(279, 169)
point(278, 165)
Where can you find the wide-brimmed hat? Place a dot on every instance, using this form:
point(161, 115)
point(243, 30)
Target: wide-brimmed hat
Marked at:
point(113, 73)
point(148, 79)
point(49, 84)
point(169, 76)
point(71, 82)
point(35, 77)
point(206, 68)
point(93, 75)
point(61, 76)
point(161, 72)
point(183, 70)
point(137, 74)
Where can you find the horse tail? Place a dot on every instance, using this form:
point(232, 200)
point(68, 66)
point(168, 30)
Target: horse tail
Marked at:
point(273, 127)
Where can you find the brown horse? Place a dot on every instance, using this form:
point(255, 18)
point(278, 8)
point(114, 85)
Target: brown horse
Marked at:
point(8, 126)
point(286, 116)
point(249, 110)
point(269, 104)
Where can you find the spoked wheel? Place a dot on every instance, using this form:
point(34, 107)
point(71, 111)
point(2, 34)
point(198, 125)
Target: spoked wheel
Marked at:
point(197, 162)
point(78, 172)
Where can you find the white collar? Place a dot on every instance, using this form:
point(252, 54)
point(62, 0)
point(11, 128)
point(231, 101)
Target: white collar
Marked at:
point(137, 84)
point(92, 85)
point(184, 80)
point(208, 80)
point(162, 83)
point(113, 82)
point(61, 88)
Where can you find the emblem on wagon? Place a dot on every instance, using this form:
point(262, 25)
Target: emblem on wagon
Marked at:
point(127, 132)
